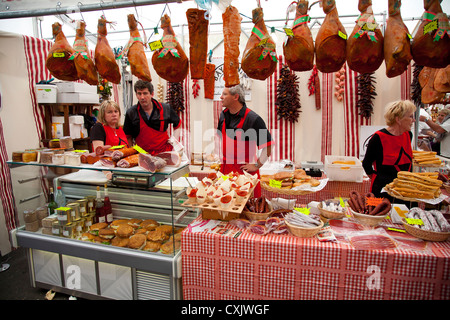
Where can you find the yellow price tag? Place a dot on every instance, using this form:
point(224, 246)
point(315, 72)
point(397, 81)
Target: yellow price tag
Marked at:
point(430, 27)
point(397, 230)
point(341, 202)
point(288, 32)
point(342, 35)
point(117, 147)
point(303, 210)
point(58, 55)
point(414, 221)
point(156, 45)
point(275, 183)
point(139, 149)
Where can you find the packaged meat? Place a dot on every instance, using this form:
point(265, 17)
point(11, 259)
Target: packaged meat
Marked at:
point(371, 240)
point(150, 163)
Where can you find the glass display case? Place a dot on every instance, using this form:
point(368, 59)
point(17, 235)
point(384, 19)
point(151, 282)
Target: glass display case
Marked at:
point(66, 256)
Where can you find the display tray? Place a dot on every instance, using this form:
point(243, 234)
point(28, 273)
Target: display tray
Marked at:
point(295, 192)
point(437, 200)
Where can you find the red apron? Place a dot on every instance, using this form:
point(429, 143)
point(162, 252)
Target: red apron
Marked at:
point(151, 140)
point(397, 151)
point(115, 137)
point(237, 153)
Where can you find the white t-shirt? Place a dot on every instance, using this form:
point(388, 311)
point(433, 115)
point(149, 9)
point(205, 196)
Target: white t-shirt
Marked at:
point(445, 142)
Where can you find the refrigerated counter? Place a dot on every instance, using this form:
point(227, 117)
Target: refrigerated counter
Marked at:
point(99, 271)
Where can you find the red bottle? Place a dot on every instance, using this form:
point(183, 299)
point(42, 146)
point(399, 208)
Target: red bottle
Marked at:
point(107, 206)
point(99, 209)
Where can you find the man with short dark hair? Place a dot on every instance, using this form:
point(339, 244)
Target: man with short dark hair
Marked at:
point(146, 123)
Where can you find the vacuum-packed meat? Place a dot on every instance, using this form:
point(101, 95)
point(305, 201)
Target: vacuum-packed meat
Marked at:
point(231, 35)
point(198, 41)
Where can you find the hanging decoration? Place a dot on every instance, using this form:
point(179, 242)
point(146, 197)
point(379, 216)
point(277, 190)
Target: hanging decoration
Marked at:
point(195, 88)
point(314, 86)
point(175, 96)
point(340, 82)
point(416, 89)
point(160, 91)
point(366, 94)
point(288, 97)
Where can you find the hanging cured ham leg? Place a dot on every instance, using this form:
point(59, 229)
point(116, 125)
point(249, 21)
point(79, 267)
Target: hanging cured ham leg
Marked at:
point(57, 61)
point(105, 60)
point(442, 80)
point(365, 44)
point(431, 44)
point(136, 54)
point(170, 62)
point(231, 35)
point(331, 40)
point(299, 48)
point(397, 48)
point(83, 62)
point(429, 93)
point(259, 58)
point(198, 41)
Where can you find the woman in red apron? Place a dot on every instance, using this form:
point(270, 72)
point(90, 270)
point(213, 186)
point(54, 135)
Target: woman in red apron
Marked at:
point(389, 150)
point(107, 131)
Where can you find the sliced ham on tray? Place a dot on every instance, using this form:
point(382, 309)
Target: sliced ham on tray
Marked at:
point(372, 242)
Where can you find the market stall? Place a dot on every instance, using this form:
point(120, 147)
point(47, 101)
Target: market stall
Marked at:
point(320, 105)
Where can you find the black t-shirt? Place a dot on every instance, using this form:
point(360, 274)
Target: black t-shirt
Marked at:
point(131, 125)
point(253, 129)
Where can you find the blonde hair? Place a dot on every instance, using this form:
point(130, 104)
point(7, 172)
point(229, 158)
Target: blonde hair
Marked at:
point(398, 109)
point(444, 111)
point(105, 105)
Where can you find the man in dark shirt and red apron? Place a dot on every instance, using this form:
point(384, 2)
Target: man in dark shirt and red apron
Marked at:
point(147, 122)
point(242, 132)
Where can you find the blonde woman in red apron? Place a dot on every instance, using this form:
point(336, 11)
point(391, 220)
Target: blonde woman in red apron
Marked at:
point(108, 131)
point(242, 132)
point(146, 123)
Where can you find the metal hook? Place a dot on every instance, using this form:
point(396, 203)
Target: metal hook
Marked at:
point(101, 5)
point(315, 2)
point(135, 9)
point(79, 7)
point(58, 6)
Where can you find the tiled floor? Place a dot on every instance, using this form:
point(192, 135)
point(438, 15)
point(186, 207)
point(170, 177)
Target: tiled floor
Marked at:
point(15, 281)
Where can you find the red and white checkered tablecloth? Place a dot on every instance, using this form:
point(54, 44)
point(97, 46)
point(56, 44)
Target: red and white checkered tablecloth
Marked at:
point(287, 267)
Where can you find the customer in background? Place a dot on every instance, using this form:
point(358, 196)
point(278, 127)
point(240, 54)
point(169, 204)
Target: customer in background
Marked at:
point(441, 143)
point(389, 149)
point(146, 123)
point(107, 130)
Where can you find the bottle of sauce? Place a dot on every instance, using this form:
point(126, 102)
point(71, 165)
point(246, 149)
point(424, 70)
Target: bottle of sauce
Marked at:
point(60, 198)
point(107, 206)
point(99, 209)
point(52, 205)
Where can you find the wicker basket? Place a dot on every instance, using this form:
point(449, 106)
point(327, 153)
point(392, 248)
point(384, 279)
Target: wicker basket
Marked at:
point(257, 216)
point(446, 187)
point(285, 191)
point(304, 232)
point(424, 234)
point(330, 214)
point(368, 220)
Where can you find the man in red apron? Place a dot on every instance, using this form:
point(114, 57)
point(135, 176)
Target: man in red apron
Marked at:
point(147, 122)
point(242, 132)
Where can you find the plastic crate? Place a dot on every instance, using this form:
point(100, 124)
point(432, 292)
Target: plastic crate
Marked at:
point(343, 172)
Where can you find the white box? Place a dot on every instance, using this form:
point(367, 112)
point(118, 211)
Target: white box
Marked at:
point(57, 119)
point(76, 119)
point(75, 130)
point(75, 87)
point(343, 172)
point(57, 130)
point(76, 97)
point(46, 93)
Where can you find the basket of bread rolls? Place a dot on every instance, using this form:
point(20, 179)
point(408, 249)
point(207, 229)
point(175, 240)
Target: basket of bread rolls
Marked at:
point(286, 182)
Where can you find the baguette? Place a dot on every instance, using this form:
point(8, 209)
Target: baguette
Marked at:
point(405, 175)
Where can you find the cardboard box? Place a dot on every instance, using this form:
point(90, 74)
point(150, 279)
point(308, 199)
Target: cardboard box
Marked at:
point(343, 172)
point(46, 93)
point(76, 97)
point(75, 87)
point(76, 120)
